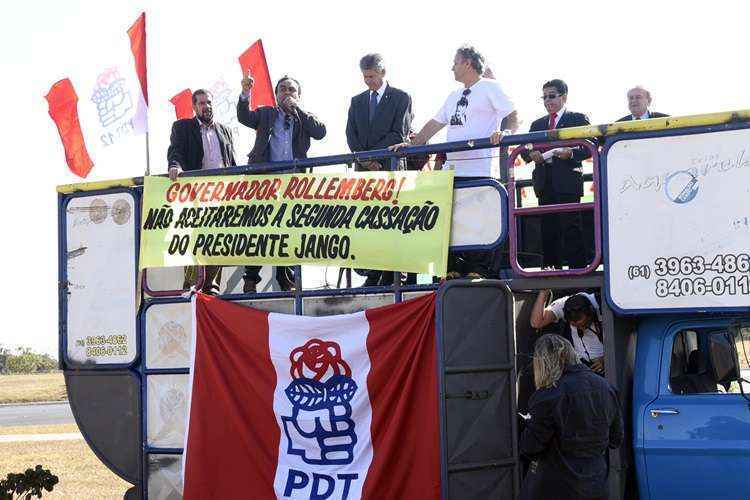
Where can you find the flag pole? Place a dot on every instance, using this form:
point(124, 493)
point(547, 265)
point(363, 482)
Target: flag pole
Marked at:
point(137, 35)
point(148, 160)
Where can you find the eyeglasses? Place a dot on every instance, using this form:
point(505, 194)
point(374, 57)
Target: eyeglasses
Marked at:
point(458, 116)
point(464, 101)
point(547, 97)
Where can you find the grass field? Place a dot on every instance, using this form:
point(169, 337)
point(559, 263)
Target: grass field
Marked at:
point(31, 388)
point(81, 474)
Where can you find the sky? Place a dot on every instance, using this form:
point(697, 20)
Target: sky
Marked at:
point(688, 54)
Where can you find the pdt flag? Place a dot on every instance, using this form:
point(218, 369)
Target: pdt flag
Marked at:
point(336, 407)
point(102, 102)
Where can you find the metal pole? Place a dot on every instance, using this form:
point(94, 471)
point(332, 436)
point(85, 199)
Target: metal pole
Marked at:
point(148, 158)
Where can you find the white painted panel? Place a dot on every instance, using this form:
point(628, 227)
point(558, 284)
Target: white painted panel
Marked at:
point(343, 304)
point(167, 410)
point(168, 328)
point(165, 477)
point(101, 312)
point(679, 221)
point(477, 216)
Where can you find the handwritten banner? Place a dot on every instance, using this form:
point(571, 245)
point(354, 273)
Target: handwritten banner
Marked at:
point(394, 221)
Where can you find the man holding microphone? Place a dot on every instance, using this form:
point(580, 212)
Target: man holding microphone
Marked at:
point(282, 133)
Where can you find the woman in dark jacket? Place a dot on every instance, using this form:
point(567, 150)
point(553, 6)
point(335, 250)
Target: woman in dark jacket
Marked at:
point(575, 419)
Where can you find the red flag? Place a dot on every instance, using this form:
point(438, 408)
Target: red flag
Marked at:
point(253, 60)
point(183, 104)
point(63, 109)
point(137, 34)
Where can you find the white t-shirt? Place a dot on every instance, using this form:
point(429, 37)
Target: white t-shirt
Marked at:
point(486, 106)
point(587, 347)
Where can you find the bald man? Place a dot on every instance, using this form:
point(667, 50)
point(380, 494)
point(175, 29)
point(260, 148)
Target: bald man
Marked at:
point(639, 100)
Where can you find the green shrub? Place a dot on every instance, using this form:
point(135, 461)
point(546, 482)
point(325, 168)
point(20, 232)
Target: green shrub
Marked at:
point(24, 360)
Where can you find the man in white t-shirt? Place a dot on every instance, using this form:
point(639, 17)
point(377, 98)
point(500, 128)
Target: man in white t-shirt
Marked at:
point(581, 312)
point(472, 112)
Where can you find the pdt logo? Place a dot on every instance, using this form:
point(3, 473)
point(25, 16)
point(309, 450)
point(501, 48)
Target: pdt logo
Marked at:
point(320, 429)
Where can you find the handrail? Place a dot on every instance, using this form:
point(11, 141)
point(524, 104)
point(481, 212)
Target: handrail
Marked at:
point(514, 212)
point(585, 132)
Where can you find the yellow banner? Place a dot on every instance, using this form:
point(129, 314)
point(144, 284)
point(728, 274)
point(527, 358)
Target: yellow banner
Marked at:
point(391, 221)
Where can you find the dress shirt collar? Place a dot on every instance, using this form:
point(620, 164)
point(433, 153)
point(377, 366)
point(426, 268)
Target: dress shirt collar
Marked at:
point(381, 90)
point(201, 125)
point(644, 116)
point(559, 115)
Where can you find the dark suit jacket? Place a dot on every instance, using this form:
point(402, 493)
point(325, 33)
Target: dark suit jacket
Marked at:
point(306, 126)
point(560, 176)
point(651, 114)
point(390, 125)
point(186, 145)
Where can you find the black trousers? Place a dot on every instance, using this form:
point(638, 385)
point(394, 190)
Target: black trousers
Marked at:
point(211, 280)
point(485, 263)
point(562, 234)
point(284, 275)
point(375, 277)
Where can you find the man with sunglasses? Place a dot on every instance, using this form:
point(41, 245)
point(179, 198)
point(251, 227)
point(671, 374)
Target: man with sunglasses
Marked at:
point(473, 112)
point(558, 178)
point(282, 133)
point(582, 327)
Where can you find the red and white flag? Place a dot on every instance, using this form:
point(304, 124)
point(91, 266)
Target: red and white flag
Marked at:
point(106, 97)
point(336, 407)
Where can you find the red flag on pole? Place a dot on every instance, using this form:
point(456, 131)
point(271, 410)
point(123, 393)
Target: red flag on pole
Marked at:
point(137, 34)
point(63, 109)
point(253, 61)
point(183, 104)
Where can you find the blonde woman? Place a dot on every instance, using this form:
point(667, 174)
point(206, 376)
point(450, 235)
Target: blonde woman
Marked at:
point(575, 419)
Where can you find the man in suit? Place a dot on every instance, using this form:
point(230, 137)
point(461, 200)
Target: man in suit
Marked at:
point(197, 144)
point(639, 100)
point(378, 117)
point(559, 179)
point(282, 133)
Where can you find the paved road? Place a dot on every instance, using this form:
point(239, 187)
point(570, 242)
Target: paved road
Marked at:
point(45, 414)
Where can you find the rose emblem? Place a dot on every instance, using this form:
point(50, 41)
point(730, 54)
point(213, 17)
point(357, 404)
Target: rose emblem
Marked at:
point(316, 359)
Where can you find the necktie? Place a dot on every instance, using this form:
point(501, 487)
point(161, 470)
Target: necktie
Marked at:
point(373, 104)
point(552, 118)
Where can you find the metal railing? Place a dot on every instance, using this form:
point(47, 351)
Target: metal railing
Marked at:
point(515, 212)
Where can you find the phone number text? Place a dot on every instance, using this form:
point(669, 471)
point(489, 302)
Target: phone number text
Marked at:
point(681, 287)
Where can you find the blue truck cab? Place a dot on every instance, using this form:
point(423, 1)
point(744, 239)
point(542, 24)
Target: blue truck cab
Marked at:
point(691, 429)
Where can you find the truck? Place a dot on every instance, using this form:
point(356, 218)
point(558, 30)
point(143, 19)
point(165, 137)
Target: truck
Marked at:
point(668, 234)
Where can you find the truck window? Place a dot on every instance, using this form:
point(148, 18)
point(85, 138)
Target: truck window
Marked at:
point(743, 353)
point(690, 372)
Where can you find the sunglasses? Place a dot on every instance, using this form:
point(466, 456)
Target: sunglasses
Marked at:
point(547, 97)
point(464, 101)
point(287, 122)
